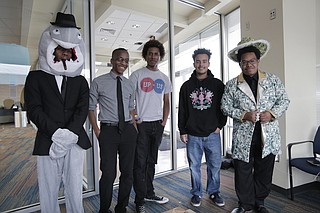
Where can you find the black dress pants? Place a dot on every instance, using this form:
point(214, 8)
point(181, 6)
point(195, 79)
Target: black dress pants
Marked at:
point(112, 143)
point(253, 180)
point(149, 140)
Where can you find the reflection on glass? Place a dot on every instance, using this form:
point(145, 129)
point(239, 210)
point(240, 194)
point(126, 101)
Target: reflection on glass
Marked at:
point(18, 55)
point(208, 39)
point(118, 27)
point(233, 35)
point(18, 167)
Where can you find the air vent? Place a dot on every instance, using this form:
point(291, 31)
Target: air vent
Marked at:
point(162, 28)
point(108, 31)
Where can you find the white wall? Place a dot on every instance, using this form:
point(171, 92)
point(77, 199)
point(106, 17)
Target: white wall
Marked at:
point(292, 58)
point(300, 63)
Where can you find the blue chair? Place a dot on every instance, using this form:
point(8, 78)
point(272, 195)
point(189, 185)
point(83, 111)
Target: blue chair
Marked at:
point(302, 162)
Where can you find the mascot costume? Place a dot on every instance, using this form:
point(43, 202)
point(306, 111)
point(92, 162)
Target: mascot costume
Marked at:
point(57, 99)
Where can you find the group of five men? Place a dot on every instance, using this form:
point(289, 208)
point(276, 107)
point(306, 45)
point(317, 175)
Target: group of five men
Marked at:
point(133, 113)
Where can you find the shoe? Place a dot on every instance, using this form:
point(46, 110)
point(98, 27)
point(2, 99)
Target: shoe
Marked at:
point(217, 199)
point(195, 200)
point(238, 210)
point(157, 199)
point(262, 209)
point(140, 209)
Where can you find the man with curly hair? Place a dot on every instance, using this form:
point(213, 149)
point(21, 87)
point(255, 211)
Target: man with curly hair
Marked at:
point(200, 120)
point(152, 108)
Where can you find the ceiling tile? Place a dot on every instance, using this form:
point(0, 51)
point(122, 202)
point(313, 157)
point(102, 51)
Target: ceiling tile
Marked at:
point(130, 34)
point(120, 14)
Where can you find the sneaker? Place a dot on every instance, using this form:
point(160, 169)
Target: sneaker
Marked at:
point(217, 199)
point(140, 209)
point(195, 200)
point(239, 210)
point(157, 199)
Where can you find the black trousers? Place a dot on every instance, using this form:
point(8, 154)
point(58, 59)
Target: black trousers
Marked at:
point(253, 180)
point(112, 143)
point(149, 140)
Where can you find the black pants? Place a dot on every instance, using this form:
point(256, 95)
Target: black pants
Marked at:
point(253, 180)
point(149, 140)
point(112, 143)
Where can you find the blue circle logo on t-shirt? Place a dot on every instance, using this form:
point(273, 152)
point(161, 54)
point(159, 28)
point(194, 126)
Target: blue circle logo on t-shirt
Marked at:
point(158, 86)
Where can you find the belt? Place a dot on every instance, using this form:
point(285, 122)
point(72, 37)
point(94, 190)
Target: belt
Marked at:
point(157, 121)
point(114, 124)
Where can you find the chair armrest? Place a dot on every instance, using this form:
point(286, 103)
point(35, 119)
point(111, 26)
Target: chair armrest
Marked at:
point(295, 143)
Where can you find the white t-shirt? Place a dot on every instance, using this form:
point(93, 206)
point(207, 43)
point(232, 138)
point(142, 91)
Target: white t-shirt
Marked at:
point(150, 88)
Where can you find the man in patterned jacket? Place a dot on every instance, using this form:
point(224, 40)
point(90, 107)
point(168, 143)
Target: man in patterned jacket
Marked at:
point(255, 100)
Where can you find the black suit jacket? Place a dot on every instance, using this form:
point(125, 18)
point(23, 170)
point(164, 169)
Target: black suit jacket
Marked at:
point(47, 110)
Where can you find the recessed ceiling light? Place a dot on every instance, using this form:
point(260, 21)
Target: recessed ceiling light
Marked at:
point(110, 22)
point(108, 31)
point(104, 39)
point(135, 26)
point(125, 41)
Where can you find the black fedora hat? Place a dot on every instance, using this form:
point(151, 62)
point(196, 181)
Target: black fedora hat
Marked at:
point(65, 20)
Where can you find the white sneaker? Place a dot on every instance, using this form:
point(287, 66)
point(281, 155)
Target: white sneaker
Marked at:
point(157, 199)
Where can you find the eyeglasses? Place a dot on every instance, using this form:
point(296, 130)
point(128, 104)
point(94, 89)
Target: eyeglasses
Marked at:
point(122, 60)
point(251, 62)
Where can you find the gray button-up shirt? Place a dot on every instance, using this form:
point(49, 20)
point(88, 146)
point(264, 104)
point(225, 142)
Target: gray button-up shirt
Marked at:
point(103, 91)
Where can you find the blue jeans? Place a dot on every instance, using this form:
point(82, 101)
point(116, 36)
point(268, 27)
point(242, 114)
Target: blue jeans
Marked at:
point(211, 146)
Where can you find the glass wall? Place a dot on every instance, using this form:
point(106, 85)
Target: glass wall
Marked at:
point(209, 39)
point(128, 26)
point(233, 36)
point(116, 24)
point(26, 20)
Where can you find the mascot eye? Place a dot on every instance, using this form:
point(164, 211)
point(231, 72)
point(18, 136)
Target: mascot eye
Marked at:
point(79, 36)
point(56, 31)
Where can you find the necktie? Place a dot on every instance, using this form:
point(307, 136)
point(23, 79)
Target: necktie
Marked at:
point(120, 106)
point(64, 87)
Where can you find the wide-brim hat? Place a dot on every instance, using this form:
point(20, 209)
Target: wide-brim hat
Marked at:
point(65, 20)
point(262, 45)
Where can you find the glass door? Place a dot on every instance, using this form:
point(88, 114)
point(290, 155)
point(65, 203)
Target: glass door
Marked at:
point(22, 26)
point(130, 26)
point(233, 36)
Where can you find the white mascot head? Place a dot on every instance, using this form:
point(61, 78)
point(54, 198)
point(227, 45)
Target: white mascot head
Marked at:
point(62, 33)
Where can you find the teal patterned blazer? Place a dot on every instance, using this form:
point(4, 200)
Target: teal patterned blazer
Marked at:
point(238, 99)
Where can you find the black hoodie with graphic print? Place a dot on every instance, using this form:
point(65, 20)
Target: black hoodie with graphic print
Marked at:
point(199, 106)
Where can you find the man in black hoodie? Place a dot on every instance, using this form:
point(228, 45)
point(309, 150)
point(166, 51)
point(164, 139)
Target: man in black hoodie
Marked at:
point(200, 121)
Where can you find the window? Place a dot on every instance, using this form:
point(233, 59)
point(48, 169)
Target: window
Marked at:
point(233, 36)
point(209, 39)
point(18, 165)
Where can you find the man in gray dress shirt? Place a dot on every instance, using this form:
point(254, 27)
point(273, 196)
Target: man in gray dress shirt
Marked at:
point(112, 139)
